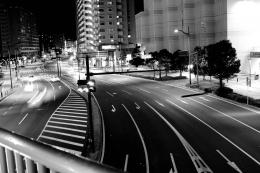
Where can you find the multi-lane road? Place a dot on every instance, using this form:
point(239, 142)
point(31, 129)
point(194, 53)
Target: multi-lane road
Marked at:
point(148, 126)
point(158, 127)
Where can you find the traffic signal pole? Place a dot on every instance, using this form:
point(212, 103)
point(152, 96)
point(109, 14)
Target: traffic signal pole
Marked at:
point(89, 144)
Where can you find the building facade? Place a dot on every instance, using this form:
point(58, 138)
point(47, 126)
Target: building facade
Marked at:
point(87, 25)
point(18, 31)
point(208, 21)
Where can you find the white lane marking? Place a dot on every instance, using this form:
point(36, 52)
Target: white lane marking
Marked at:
point(137, 106)
point(64, 134)
point(232, 164)
point(127, 92)
point(103, 130)
point(182, 101)
point(54, 96)
point(142, 139)
point(32, 98)
point(145, 90)
point(173, 164)
point(71, 116)
point(114, 93)
point(203, 98)
point(23, 119)
point(165, 90)
point(76, 107)
point(72, 124)
point(4, 113)
point(113, 109)
point(194, 156)
point(65, 112)
point(257, 131)
point(66, 128)
point(75, 102)
point(65, 119)
point(126, 163)
point(61, 140)
point(232, 143)
point(109, 94)
point(73, 110)
point(11, 107)
point(159, 103)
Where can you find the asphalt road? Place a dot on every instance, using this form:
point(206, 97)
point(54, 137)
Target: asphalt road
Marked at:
point(155, 127)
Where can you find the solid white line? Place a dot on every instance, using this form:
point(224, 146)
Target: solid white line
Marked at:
point(223, 156)
point(183, 141)
point(71, 116)
point(29, 101)
point(74, 110)
point(145, 90)
point(232, 143)
point(257, 131)
point(66, 128)
point(204, 99)
point(127, 92)
point(23, 119)
point(126, 163)
point(173, 164)
point(182, 101)
point(159, 103)
point(82, 121)
point(72, 124)
point(71, 112)
point(61, 140)
point(142, 139)
point(64, 134)
point(109, 94)
point(54, 97)
point(103, 130)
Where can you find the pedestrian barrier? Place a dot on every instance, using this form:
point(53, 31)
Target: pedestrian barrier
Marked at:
point(20, 154)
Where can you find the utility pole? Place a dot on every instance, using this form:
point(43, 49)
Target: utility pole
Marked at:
point(10, 67)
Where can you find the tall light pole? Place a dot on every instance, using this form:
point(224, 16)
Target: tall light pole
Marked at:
point(188, 36)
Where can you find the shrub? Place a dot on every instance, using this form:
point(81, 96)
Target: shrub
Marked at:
point(224, 91)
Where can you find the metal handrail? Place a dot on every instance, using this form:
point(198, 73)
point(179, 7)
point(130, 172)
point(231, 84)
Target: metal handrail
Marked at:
point(18, 154)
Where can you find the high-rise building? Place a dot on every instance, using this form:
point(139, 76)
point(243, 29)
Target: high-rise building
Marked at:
point(18, 31)
point(87, 25)
point(208, 21)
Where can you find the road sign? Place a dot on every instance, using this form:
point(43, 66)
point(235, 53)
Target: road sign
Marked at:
point(255, 54)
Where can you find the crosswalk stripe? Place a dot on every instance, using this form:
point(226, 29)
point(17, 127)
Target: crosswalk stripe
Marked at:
point(69, 119)
point(71, 112)
point(64, 134)
point(68, 150)
point(61, 140)
point(66, 128)
point(57, 122)
point(76, 104)
point(76, 107)
point(80, 117)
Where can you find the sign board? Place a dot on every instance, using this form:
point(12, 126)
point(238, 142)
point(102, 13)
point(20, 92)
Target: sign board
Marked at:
point(255, 54)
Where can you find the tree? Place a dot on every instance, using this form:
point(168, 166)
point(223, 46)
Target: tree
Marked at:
point(151, 62)
point(137, 59)
point(181, 60)
point(165, 60)
point(222, 60)
point(202, 63)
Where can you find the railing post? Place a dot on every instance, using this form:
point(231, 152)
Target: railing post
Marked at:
point(3, 166)
point(30, 168)
point(10, 160)
point(19, 163)
point(41, 168)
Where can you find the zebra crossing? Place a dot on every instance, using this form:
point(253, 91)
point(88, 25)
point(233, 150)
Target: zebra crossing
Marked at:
point(67, 127)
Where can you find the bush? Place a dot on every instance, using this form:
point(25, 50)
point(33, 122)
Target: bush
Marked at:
point(224, 91)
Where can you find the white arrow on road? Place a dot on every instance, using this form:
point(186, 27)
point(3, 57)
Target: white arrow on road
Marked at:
point(113, 108)
point(137, 106)
point(232, 164)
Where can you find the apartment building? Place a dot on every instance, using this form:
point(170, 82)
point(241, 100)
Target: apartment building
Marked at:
point(208, 21)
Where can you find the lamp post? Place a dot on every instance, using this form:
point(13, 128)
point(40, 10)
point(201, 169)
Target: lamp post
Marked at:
point(188, 36)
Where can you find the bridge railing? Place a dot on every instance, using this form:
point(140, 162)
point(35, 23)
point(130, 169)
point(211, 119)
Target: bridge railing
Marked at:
point(19, 154)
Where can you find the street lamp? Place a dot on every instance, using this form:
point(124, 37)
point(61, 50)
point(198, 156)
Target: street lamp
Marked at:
point(188, 36)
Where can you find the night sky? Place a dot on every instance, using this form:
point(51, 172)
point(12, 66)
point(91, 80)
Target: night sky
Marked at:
point(58, 16)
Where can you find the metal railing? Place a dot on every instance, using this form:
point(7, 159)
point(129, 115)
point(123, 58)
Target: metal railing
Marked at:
point(19, 154)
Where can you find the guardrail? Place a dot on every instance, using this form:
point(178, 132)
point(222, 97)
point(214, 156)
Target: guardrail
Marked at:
point(19, 154)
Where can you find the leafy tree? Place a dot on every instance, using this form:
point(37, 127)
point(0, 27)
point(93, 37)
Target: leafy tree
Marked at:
point(151, 62)
point(222, 60)
point(181, 60)
point(165, 60)
point(137, 59)
point(156, 57)
point(202, 63)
